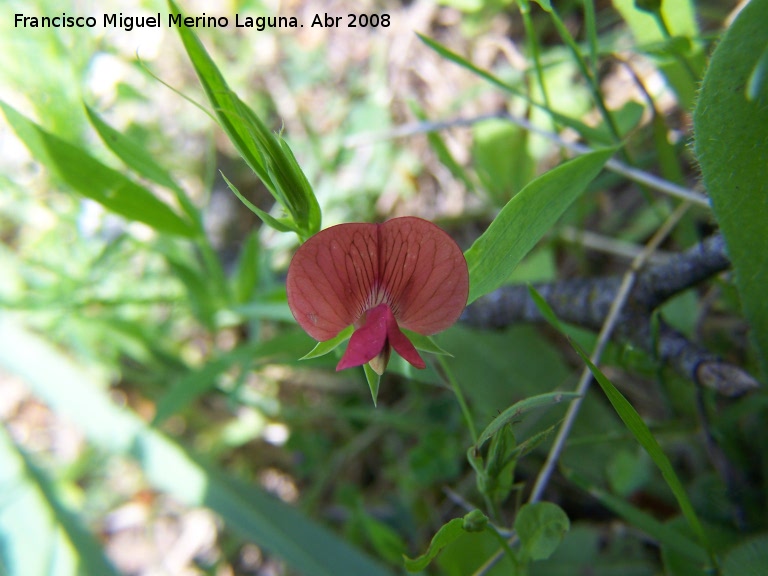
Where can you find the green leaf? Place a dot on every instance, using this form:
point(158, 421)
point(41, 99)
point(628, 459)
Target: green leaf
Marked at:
point(139, 159)
point(40, 532)
point(500, 150)
point(641, 520)
point(541, 527)
point(323, 348)
point(668, 153)
point(203, 299)
point(385, 540)
point(530, 444)
point(731, 139)
point(502, 357)
point(758, 78)
point(92, 179)
point(497, 479)
point(748, 558)
point(134, 155)
point(648, 5)
point(518, 409)
point(464, 63)
point(72, 392)
point(268, 219)
point(267, 154)
point(373, 379)
point(197, 382)
point(265, 309)
point(246, 275)
point(525, 219)
point(636, 426)
point(627, 471)
point(448, 533)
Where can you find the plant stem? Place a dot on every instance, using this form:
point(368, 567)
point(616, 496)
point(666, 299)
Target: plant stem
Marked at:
point(591, 26)
point(634, 174)
point(588, 76)
point(505, 545)
point(659, 17)
point(460, 397)
point(605, 333)
point(573, 409)
point(533, 46)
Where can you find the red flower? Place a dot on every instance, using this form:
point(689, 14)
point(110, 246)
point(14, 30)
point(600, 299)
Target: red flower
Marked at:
point(404, 273)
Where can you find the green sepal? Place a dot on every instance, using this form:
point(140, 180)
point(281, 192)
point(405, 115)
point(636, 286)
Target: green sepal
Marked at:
point(424, 343)
point(322, 348)
point(373, 381)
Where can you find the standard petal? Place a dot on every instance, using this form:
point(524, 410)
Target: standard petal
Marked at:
point(424, 274)
point(331, 277)
point(368, 340)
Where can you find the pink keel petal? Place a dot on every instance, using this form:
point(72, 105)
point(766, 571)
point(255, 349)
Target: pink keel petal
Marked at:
point(368, 340)
point(374, 337)
point(401, 344)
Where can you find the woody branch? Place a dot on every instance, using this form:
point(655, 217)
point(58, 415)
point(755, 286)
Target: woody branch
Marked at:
point(586, 302)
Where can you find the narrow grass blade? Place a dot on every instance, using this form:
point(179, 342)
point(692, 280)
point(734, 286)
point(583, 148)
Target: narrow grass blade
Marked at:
point(73, 392)
point(138, 159)
point(588, 132)
point(637, 427)
point(197, 382)
point(92, 179)
point(268, 219)
point(133, 154)
point(265, 309)
point(658, 530)
point(245, 278)
point(37, 528)
point(267, 154)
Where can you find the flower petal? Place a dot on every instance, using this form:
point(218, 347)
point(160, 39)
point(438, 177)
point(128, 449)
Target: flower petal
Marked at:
point(331, 277)
point(408, 263)
point(401, 343)
point(368, 340)
point(424, 273)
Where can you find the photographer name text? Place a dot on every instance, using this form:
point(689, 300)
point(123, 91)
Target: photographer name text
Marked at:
point(259, 23)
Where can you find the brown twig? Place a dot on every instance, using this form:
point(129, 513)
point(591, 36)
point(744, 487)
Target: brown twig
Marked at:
point(586, 303)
